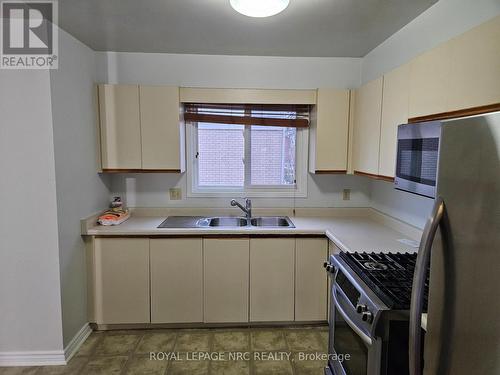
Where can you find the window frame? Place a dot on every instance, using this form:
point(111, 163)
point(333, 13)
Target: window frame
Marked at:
point(298, 190)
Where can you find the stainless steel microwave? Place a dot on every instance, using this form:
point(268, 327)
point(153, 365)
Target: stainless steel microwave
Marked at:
point(417, 158)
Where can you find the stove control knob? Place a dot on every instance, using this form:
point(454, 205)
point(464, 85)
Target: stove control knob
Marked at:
point(329, 267)
point(361, 308)
point(367, 317)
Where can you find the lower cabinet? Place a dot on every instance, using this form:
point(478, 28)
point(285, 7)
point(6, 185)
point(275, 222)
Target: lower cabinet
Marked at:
point(272, 279)
point(210, 280)
point(121, 277)
point(226, 280)
point(310, 279)
point(176, 280)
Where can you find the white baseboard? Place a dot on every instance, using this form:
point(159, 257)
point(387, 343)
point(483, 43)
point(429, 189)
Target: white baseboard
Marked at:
point(36, 358)
point(77, 341)
point(47, 358)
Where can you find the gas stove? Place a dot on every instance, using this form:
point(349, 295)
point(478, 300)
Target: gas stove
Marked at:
point(389, 275)
point(369, 312)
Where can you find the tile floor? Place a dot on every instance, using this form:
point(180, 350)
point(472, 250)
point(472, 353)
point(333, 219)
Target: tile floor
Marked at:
point(128, 352)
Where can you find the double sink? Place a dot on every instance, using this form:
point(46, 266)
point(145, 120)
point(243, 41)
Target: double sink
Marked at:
point(226, 221)
point(229, 221)
point(264, 221)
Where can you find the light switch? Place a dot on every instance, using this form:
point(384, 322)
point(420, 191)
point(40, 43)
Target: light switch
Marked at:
point(346, 194)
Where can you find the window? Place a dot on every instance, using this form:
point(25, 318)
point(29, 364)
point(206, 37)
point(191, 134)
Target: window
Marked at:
point(272, 155)
point(236, 157)
point(220, 155)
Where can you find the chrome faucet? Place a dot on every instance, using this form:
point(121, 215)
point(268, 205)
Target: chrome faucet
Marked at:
point(247, 209)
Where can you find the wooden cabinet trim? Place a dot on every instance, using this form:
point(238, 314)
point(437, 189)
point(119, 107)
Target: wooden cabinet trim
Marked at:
point(214, 236)
point(331, 171)
point(458, 113)
point(375, 176)
point(108, 170)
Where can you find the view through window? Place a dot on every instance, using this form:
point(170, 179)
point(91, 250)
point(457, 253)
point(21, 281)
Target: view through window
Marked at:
point(241, 156)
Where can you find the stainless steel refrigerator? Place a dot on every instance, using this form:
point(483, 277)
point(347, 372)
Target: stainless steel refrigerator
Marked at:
point(462, 242)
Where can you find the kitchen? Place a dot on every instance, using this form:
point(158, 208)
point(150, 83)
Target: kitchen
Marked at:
point(273, 207)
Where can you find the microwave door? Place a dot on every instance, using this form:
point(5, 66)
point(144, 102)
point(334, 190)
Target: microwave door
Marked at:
point(417, 158)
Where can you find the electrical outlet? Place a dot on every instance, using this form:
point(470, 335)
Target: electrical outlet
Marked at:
point(346, 194)
point(175, 194)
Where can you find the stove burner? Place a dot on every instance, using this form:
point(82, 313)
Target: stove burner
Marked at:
point(375, 266)
point(389, 276)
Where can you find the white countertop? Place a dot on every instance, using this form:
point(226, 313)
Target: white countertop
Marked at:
point(356, 233)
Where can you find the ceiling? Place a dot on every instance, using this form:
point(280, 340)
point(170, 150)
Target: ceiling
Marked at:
point(336, 28)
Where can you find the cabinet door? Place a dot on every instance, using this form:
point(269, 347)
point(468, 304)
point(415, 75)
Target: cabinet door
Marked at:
point(226, 280)
point(272, 279)
point(367, 127)
point(430, 82)
point(329, 132)
point(120, 126)
point(394, 113)
point(122, 280)
point(161, 134)
point(475, 67)
point(310, 279)
point(332, 249)
point(176, 280)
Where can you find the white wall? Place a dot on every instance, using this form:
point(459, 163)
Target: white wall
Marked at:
point(229, 71)
point(441, 22)
point(410, 208)
point(80, 190)
point(151, 190)
point(30, 307)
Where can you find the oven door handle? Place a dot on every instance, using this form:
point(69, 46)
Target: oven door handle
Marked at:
point(364, 337)
point(419, 278)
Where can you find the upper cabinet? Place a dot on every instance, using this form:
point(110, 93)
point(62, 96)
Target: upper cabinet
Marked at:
point(430, 82)
point(394, 113)
point(367, 114)
point(329, 130)
point(457, 78)
point(120, 126)
point(140, 128)
point(475, 67)
point(161, 131)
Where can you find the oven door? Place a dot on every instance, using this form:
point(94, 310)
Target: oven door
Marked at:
point(417, 158)
point(352, 350)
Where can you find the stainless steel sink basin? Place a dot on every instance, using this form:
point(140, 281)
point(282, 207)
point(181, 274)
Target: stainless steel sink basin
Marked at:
point(227, 222)
point(272, 221)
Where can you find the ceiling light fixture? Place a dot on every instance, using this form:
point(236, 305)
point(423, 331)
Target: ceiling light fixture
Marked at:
point(259, 8)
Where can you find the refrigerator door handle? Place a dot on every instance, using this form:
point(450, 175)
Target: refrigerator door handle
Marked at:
point(419, 278)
